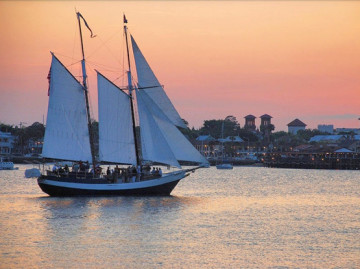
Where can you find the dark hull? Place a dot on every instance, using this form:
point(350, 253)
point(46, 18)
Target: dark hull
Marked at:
point(160, 190)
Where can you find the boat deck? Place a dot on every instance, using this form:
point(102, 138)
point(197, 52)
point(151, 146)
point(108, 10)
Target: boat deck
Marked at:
point(90, 178)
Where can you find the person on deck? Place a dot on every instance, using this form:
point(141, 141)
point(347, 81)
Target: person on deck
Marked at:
point(133, 170)
point(82, 166)
point(55, 168)
point(66, 169)
point(75, 167)
point(98, 169)
point(117, 169)
point(108, 172)
point(146, 170)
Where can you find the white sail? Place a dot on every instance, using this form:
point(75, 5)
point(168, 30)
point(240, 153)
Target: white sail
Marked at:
point(174, 140)
point(154, 146)
point(67, 133)
point(116, 137)
point(148, 82)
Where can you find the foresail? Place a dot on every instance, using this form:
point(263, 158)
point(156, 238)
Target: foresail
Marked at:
point(174, 140)
point(66, 133)
point(154, 146)
point(149, 83)
point(116, 138)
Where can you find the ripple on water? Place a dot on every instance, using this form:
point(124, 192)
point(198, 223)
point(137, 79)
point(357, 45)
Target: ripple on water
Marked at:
point(247, 217)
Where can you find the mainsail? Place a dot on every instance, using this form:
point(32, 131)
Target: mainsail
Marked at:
point(148, 82)
point(67, 133)
point(116, 139)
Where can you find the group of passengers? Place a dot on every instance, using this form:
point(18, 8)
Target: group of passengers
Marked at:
point(77, 167)
point(80, 166)
point(132, 173)
point(156, 171)
point(129, 174)
point(58, 169)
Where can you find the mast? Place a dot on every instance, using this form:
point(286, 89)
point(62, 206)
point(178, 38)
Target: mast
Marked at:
point(86, 94)
point(138, 162)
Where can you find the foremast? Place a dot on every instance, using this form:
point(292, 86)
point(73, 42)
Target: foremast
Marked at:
point(130, 86)
point(91, 137)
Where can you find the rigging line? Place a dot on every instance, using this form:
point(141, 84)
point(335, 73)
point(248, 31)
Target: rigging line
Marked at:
point(133, 59)
point(92, 67)
point(68, 65)
point(73, 51)
point(104, 45)
point(123, 61)
point(63, 55)
point(104, 42)
point(73, 63)
point(150, 87)
point(106, 67)
point(134, 80)
point(118, 79)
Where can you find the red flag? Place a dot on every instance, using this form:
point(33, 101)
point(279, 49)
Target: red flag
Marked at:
point(49, 79)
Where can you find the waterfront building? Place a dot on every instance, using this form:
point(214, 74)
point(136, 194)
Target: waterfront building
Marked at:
point(35, 146)
point(250, 122)
point(327, 138)
point(204, 144)
point(230, 139)
point(6, 143)
point(265, 120)
point(354, 145)
point(266, 127)
point(326, 128)
point(232, 144)
point(348, 130)
point(295, 126)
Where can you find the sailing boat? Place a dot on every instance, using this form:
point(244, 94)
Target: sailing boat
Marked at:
point(154, 140)
point(223, 165)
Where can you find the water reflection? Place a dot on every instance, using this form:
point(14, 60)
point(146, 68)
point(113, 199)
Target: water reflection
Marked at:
point(121, 225)
point(254, 217)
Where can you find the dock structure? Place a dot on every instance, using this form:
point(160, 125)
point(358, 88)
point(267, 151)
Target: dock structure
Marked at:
point(322, 160)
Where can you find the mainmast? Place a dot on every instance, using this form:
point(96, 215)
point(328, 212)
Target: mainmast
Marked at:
point(138, 162)
point(86, 93)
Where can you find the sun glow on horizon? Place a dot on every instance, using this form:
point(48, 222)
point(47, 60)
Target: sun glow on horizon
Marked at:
point(287, 59)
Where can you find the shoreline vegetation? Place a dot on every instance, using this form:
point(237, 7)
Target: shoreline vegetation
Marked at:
point(258, 147)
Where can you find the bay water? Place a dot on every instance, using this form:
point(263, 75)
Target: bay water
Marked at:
point(248, 217)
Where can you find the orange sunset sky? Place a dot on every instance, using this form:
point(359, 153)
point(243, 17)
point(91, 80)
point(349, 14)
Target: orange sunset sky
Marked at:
point(289, 59)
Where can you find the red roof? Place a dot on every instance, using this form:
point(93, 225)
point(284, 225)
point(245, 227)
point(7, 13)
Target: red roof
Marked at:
point(297, 123)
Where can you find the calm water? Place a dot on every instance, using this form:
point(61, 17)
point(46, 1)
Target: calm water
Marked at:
point(245, 218)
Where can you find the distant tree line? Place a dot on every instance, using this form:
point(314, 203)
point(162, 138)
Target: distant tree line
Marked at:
point(210, 127)
point(23, 135)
